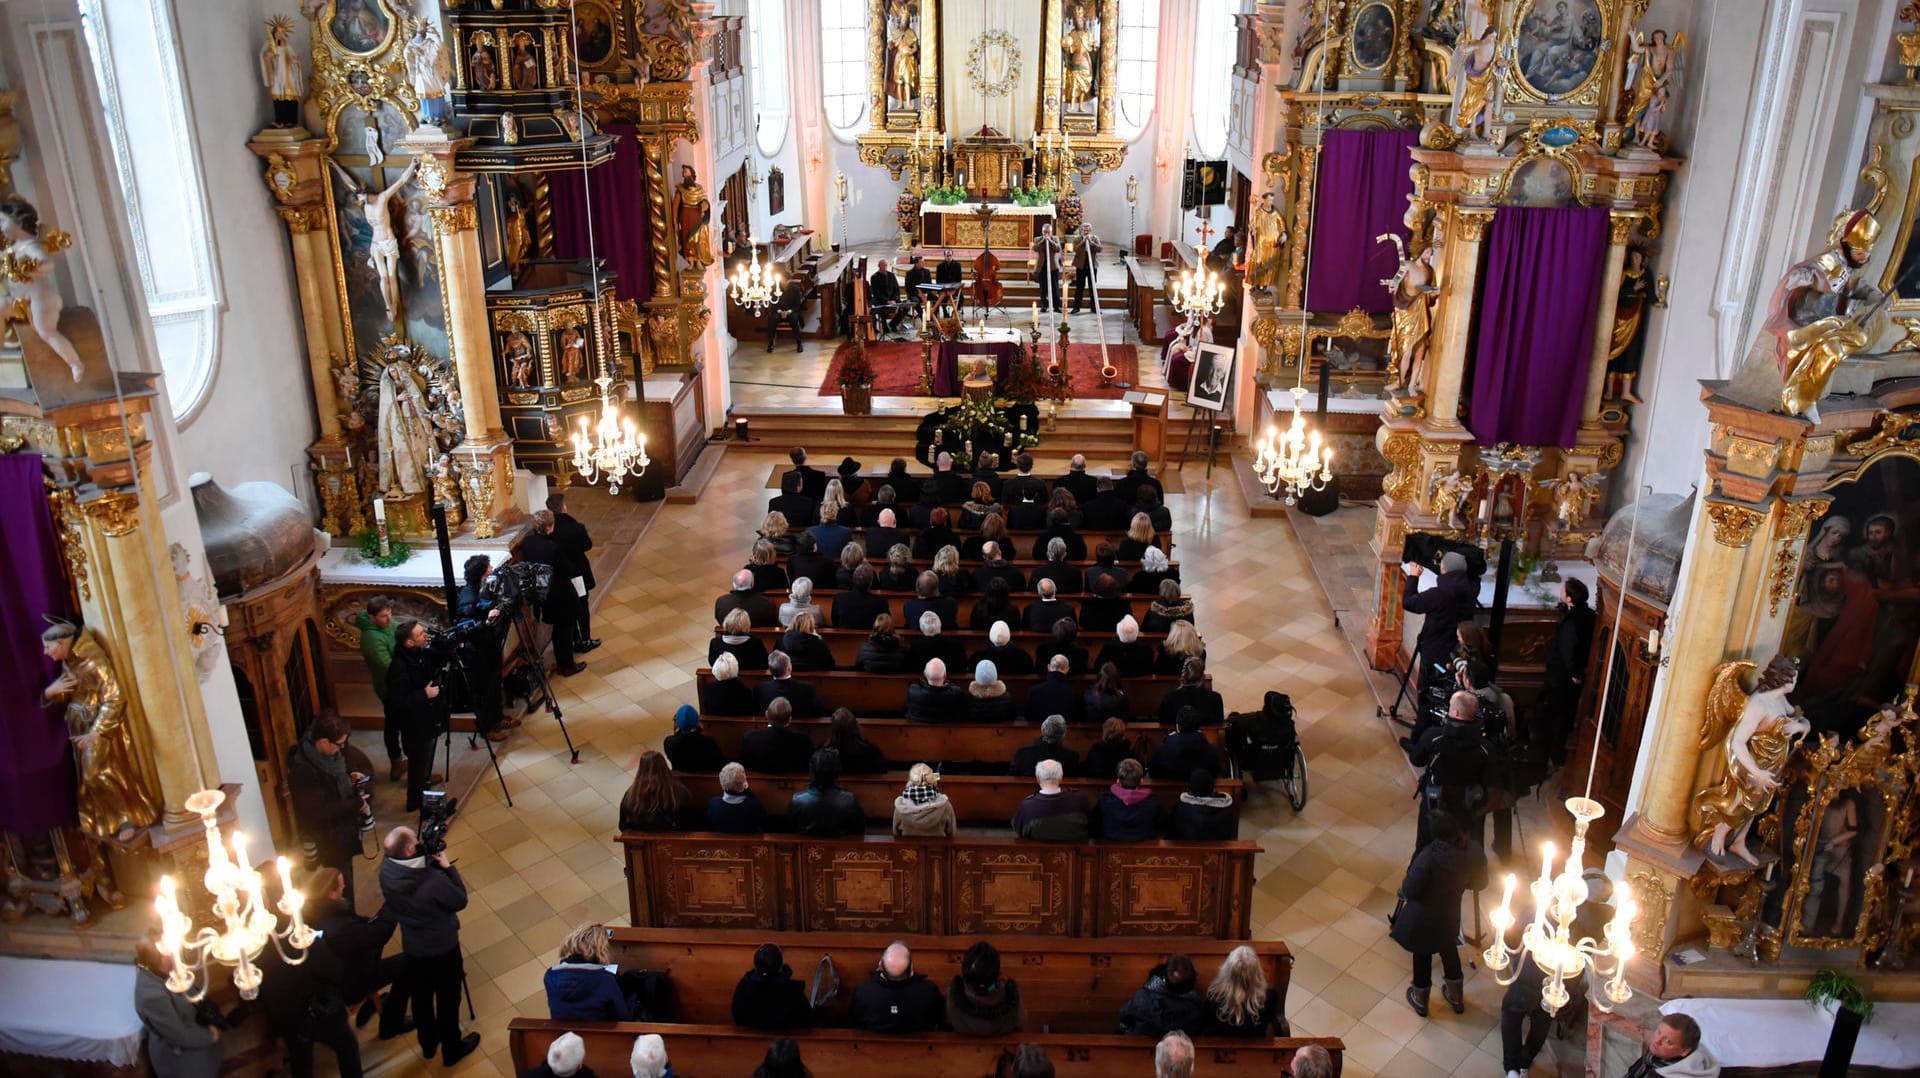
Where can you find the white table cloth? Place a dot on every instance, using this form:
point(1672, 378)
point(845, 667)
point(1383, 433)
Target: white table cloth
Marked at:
point(1779, 1032)
point(69, 1010)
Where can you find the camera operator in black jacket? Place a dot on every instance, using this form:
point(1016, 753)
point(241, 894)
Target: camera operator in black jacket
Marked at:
point(415, 702)
point(323, 773)
point(358, 942)
point(563, 603)
point(1457, 758)
point(425, 895)
point(574, 542)
point(479, 653)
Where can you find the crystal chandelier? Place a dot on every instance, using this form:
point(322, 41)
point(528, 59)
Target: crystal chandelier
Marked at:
point(755, 285)
point(1198, 292)
point(1549, 941)
point(615, 447)
point(237, 902)
point(1296, 459)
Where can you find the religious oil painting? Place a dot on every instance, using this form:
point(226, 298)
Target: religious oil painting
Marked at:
point(386, 244)
point(1558, 44)
point(776, 191)
point(1212, 384)
point(1373, 37)
point(1540, 182)
point(1855, 620)
point(359, 26)
point(593, 28)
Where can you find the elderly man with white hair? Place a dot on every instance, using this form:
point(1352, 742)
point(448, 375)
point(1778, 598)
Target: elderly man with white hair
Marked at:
point(1130, 655)
point(1049, 608)
point(1064, 575)
point(1051, 814)
point(746, 596)
point(649, 1058)
point(933, 698)
point(931, 644)
point(566, 1058)
point(882, 536)
point(1077, 482)
point(1173, 1056)
point(1008, 660)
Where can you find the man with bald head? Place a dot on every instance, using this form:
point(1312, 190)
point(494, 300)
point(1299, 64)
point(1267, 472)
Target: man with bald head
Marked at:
point(1076, 482)
point(895, 999)
point(744, 596)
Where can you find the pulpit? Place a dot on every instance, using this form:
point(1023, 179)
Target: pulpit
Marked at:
point(1150, 425)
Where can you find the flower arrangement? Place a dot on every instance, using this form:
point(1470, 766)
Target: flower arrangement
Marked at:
point(979, 423)
point(858, 369)
point(368, 542)
point(1032, 196)
point(906, 211)
point(1025, 381)
point(947, 195)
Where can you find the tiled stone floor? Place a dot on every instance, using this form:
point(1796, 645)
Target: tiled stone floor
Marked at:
point(1327, 875)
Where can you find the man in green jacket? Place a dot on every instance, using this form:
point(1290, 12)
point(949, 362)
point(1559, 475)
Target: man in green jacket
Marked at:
point(376, 647)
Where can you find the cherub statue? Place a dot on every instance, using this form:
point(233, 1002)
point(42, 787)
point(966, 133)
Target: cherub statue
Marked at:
point(1756, 733)
point(115, 799)
point(1413, 291)
point(26, 267)
point(383, 251)
point(1573, 498)
point(1819, 311)
point(1448, 495)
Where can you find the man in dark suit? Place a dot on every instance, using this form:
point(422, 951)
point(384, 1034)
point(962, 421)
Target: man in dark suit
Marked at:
point(1055, 695)
point(917, 275)
point(856, 607)
point(1086, 249)
point(1015, 487)
point(953, 486)
point(782, 685)
point(562, 607)
point(1077, 481)
point(1127, 488)
point(1186, 750)
point(800, 510)
point(1105, 512)
point(988, 471)
point(813, 481)
point(933, 698)
point(1129, 654)
point(882, 537)
point(995, 566)
point(883, 297)
point(1026, 513)
point(1050, 745)
point(1049, 608)
point(1059, 527)
point(776, 748)
point(949, 271)
point(574, 544)
point(808, 561)
point(760, 609)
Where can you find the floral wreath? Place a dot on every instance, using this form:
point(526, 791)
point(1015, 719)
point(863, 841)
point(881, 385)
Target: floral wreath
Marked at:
point(1000, 86)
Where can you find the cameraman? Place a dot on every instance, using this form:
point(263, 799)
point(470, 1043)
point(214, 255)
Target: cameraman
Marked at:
point(414, 706)
point(480, 649)
point(564, 602)
point(424, 896)
point(323, 771)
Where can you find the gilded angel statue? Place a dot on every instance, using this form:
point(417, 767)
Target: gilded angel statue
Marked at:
point(1820, 309)
point(26, 268)
point(1756, 732)
point(1653, 68)
point(1449, 493)
point(1414, 291)
point(1573, 497)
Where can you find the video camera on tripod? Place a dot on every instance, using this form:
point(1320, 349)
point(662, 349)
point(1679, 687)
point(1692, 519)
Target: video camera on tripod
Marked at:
point(511, 586)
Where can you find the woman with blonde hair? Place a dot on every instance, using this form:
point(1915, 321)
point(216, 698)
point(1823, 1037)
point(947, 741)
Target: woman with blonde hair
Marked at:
point(736, 639)
point(833, 505)
point(581, 988)
point(946, 566)
point(803, 644)
point(764, 564)
point(899, 575)
point(1139, 538)
point(921, 810)
point(775, 529)
point(1239, 1003)
point(1182, 643)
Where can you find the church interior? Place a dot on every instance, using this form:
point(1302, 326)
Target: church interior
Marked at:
point(384, 381)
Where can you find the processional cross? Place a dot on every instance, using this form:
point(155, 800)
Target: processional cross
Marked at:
point(1206, 236)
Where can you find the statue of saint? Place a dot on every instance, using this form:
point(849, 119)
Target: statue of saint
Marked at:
point(115, 798)
point(383, 249)
point(1079, 48)
point(1819, 311)
point(406, 429)
point(1756, 732)
point(429, 70)
point(281, 71)
point(1475, 63)
point(1653, 67)
point(482, 73)
point(1413, 295)
point(1573, 498)
point(1269, 231)
point(573, 355)
point(519, 360)
point(519, 236)
point(694, 211)
point(905, 73)
point(26, 267)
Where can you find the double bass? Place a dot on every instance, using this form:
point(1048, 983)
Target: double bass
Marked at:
point(987, 289)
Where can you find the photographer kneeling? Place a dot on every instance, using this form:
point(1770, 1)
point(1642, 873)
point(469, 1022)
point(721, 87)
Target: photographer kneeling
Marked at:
point(414, 703)
point(328, 779)
point(479, 648)
point(424, 895)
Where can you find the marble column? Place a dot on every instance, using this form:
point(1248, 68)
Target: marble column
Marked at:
point(1453, 318)
point(1620, 227)
point(712, 344)
point(296, 177)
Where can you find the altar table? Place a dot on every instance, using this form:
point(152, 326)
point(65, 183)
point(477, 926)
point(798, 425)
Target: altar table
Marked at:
point(1001, 344)
point(957, 225)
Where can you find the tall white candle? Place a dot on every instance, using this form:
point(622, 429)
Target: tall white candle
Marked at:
point(380, 510)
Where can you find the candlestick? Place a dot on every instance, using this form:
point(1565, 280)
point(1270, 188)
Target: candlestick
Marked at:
point(1036, 315)
point(380, 510)
point(1653, 641)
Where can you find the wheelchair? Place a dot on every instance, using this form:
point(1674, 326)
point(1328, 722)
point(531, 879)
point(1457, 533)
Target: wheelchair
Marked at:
point(1265, 746)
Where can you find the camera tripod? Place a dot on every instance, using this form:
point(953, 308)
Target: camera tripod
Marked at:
point(537, 669)
point(455, 672)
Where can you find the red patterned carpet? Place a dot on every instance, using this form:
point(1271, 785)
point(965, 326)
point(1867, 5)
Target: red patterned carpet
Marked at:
point(896, 368)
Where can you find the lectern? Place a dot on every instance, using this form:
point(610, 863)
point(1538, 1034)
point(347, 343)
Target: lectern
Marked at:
point(1150, 425)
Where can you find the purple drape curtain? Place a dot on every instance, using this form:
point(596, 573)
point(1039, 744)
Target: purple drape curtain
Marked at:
point(616, 191)
point(1534, 331)
point(1364, 183)
point(36, 774)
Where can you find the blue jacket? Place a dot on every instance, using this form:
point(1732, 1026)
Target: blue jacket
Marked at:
point(1128, 815)
point(582, 992)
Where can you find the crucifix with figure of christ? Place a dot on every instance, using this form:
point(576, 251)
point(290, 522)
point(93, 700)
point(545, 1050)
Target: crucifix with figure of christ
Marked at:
point(1206, 238)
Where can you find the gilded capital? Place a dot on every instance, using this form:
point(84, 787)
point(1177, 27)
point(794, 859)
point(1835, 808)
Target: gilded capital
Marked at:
point(303, 219)
point(116, 512)
point(1473, 224)
point(1733, 523)
point(1797, 517)
point(456, 218)
point(1620, 227)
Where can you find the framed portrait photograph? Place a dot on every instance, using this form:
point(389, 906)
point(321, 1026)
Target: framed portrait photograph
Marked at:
point(1212, 384)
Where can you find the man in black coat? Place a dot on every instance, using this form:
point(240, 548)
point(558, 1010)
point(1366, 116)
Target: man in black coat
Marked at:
point(813, 481)
point(1050, 745)
point(952, 486)
point(1105, 511)
point(1026, 513)
point(1127, 487)
point(1060, 526)
point(1077, 482)
point(949, 270)
point(1449, 602)
point(782, 685)
point(1049, 607)
point(1130, 655)
point(1018, 485)
point(895, 999)
point(994, 566)
point(1171, 999)
point(917, 275)
point(1566, 668)
point(359, 943)
point(414, 703)
point(1186, 750)
point(825, 809)
point(933, 698)
point(1065, 577)
point(792, 501)
point(562, 607)
point(574, 542)
point(776, 748)
point(1055, 695)
point(856, 607)
point(1456, 757)
point(424, 895)
point(321, 771)
point(768, 996)
point(809, 562)
point(883, 298)
point(744, 596)
point(884, 535)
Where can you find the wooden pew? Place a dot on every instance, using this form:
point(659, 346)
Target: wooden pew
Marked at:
point(965, 885)
point(713, 1051)
point(907, 742)
point(897, 605)
point(845, 643)
point(1069, 986)
point(878, 559)
point(886, 694)
point(978, 800)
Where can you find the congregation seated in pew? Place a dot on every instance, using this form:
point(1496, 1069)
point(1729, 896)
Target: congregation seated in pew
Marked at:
point(780, 684)
point(1052, 814)
point(689, 748)
point(922, 810)
point(735, 810)
point(804, 647)
point(776, 748)
point(1001, 652)
point(726, 694)
point(825, 809)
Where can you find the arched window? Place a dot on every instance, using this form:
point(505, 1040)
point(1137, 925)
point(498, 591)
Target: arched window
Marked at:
point(137, 67)
point(1138, 58)
point(1214, 44)
point(843, 64)
point(767, 23)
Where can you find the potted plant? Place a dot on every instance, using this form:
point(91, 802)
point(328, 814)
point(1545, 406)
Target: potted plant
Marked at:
point(1830, 988)
point(856, 381)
